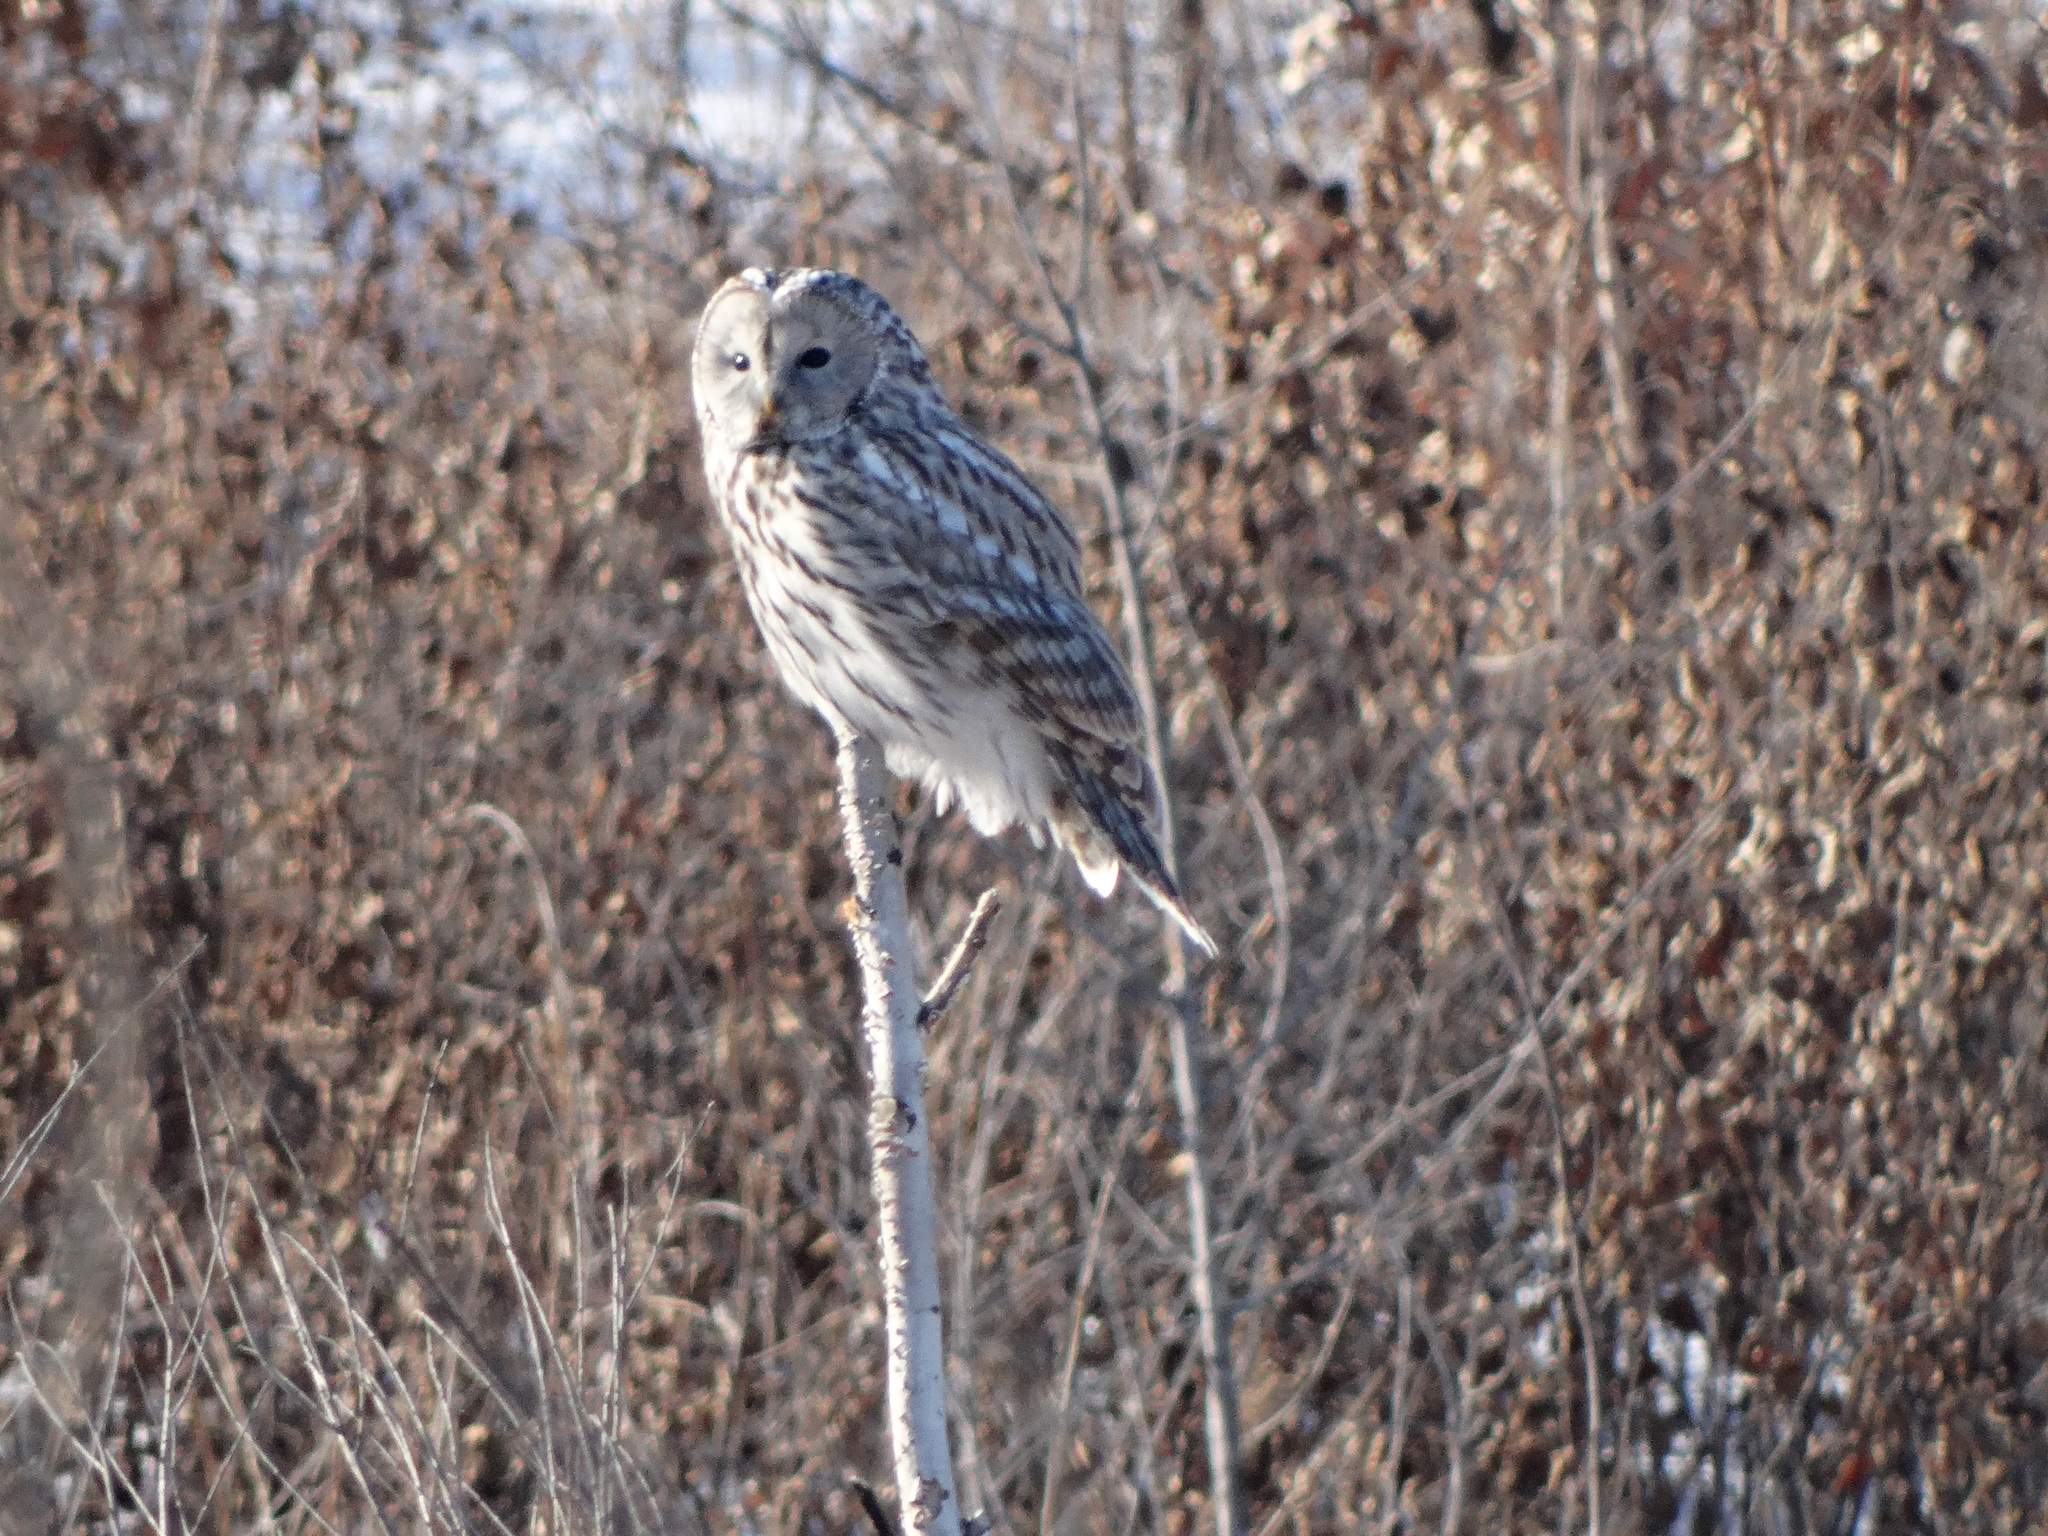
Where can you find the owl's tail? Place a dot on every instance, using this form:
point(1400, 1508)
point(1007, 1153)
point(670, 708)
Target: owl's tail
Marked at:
point(1103, 819)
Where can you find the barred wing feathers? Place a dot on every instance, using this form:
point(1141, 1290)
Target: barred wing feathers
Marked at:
point(998, 601)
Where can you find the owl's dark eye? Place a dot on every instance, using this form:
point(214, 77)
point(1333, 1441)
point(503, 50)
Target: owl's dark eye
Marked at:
point(741, 362)
point(817, 357)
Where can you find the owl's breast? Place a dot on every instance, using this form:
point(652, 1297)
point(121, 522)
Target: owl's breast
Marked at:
point(854, 614)
point(813, 581)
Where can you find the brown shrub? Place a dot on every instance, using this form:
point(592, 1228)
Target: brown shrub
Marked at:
point(1594, 479)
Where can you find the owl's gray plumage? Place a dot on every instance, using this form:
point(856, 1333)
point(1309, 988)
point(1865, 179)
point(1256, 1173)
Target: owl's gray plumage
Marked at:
point(910, 582)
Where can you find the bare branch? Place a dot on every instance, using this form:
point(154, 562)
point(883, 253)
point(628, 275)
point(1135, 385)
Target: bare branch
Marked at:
point(899, 1141)
point(960, 963)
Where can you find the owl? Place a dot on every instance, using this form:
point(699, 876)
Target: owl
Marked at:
point(911, 583)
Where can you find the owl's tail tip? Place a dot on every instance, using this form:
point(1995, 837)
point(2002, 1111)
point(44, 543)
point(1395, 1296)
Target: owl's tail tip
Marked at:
point(1197, 935)
point(1169, 901)
point(1100, 863)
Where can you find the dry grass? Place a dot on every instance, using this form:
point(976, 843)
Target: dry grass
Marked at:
point(1587, 493)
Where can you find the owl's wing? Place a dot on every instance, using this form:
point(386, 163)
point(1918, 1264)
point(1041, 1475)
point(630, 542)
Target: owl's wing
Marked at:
point(994, 577)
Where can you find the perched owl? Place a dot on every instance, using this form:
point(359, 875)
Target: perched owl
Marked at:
point(911, 583)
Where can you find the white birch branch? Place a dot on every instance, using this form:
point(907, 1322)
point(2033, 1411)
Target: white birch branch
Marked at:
point(900, 1145)
point(953, 974)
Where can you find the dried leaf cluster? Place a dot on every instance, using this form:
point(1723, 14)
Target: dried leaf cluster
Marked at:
point(1585, 472)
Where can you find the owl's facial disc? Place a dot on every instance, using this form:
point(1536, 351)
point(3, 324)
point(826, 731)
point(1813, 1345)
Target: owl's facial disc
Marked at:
point(821, 355)
point(773, 369)
point(731, 366)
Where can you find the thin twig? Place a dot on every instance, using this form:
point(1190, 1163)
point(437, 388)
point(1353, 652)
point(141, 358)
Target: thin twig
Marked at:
point(1567, 1221)
point(799, 49)
point(960, 963)
point(1397, 1412)
point(877, 1512)
point(1219, 1377)
point(1127, 1124)
point(25, 1154)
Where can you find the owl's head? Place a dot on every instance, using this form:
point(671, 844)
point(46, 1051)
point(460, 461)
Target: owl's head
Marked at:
point(786, 356)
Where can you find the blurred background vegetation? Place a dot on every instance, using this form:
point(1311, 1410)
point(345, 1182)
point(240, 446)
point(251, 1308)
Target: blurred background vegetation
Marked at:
point(1582, 463)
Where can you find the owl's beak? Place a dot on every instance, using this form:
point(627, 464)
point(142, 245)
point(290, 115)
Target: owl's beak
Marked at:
point(765, 434)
